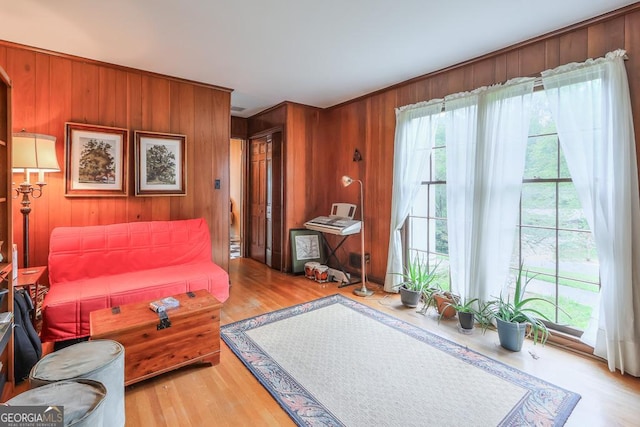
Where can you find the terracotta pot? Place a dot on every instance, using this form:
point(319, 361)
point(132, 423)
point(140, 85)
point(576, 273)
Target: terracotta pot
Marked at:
point(441, 303)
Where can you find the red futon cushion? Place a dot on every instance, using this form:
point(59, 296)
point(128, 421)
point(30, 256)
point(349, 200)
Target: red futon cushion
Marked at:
point(95, 267)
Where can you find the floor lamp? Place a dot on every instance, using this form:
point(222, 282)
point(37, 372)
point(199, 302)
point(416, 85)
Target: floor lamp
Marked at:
point(363, 291)
point(31, 152)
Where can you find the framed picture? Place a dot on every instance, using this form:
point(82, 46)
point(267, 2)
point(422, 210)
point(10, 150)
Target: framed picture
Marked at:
point(160, 164)
point(306, 246)
point(95, 160)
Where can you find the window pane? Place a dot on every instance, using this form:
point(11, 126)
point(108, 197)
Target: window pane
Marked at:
point(564, 169)
point(541, 120)
point(542, 158)
point(539, 204)
point(425, 172)
point(439, 194)
point(538, 250)
point(439, 158)
point(441, 237)
point(540, 285)
point(577, 256)
point(421, 203)
point(577, 302)
point(441, 132)
point(419, 236)
point(570, 213)
point(443, 278)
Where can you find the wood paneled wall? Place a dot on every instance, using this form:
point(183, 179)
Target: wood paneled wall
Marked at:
point(51, 89)
point(239, 127)
point(368, 123)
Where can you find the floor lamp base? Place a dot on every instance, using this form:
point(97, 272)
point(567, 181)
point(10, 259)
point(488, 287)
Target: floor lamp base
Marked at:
point(363, 292)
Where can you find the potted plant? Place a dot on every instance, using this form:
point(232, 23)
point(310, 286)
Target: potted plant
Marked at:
point(446, 303)
point(466, 311)
point(417, 283)
point(515, 318)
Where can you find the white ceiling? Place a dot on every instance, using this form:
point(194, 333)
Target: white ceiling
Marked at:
point(314, 52)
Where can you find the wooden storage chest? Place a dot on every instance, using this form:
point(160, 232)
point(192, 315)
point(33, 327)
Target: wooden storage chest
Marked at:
point(193, 336)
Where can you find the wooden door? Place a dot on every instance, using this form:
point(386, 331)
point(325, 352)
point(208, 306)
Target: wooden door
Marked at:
point(257, 199)
point(274, 201)
point(266, 188)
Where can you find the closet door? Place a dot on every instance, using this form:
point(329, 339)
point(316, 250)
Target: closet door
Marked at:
point(274, 201)
point(265, 189)
point(257, 198)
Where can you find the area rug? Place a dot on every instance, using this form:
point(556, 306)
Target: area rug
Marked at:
point(337, 362)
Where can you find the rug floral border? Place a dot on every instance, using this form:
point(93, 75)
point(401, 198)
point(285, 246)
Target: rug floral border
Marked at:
point(543, 403)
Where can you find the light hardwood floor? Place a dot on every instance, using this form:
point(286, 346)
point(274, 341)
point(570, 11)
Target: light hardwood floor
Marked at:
point(228, 395)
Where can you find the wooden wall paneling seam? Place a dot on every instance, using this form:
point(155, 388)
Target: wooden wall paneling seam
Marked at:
point(22, 68)
point(135, 206)
point(220, 161)
point(201, 147)
point(39, 216)
point(500, 68)
point(158, 120)
point(532, 59)
point(614, 34)
point(552, 53)
point(120, 119)
point(182, 122)
point(61, 110)
point(574, 46)
point(107, 117)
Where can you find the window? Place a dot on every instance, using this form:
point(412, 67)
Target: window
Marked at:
point(425, 232)
point(552, 236)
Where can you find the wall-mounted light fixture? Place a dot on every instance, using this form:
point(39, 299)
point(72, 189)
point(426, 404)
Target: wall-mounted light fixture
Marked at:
point(357, 156)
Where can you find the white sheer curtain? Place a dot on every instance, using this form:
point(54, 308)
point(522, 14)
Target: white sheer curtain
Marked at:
point(487, 133)
point(592, 109)
point(415, 132)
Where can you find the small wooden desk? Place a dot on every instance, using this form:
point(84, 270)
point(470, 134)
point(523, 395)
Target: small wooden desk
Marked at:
point(29, 278)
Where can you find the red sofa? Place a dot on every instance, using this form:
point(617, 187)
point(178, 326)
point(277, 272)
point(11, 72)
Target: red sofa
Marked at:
point(95, 267)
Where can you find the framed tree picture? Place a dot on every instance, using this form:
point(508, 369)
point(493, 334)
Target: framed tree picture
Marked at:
point(160, 164)
point(306, 246)
point(95, 160)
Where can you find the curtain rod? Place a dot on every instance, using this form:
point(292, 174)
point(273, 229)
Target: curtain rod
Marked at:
point(537, 82)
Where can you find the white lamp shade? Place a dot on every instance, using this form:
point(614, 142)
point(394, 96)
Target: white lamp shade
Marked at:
point(35, 152)
point(346, 180)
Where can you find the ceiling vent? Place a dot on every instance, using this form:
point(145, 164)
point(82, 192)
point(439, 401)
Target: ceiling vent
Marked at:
point(237, 109)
